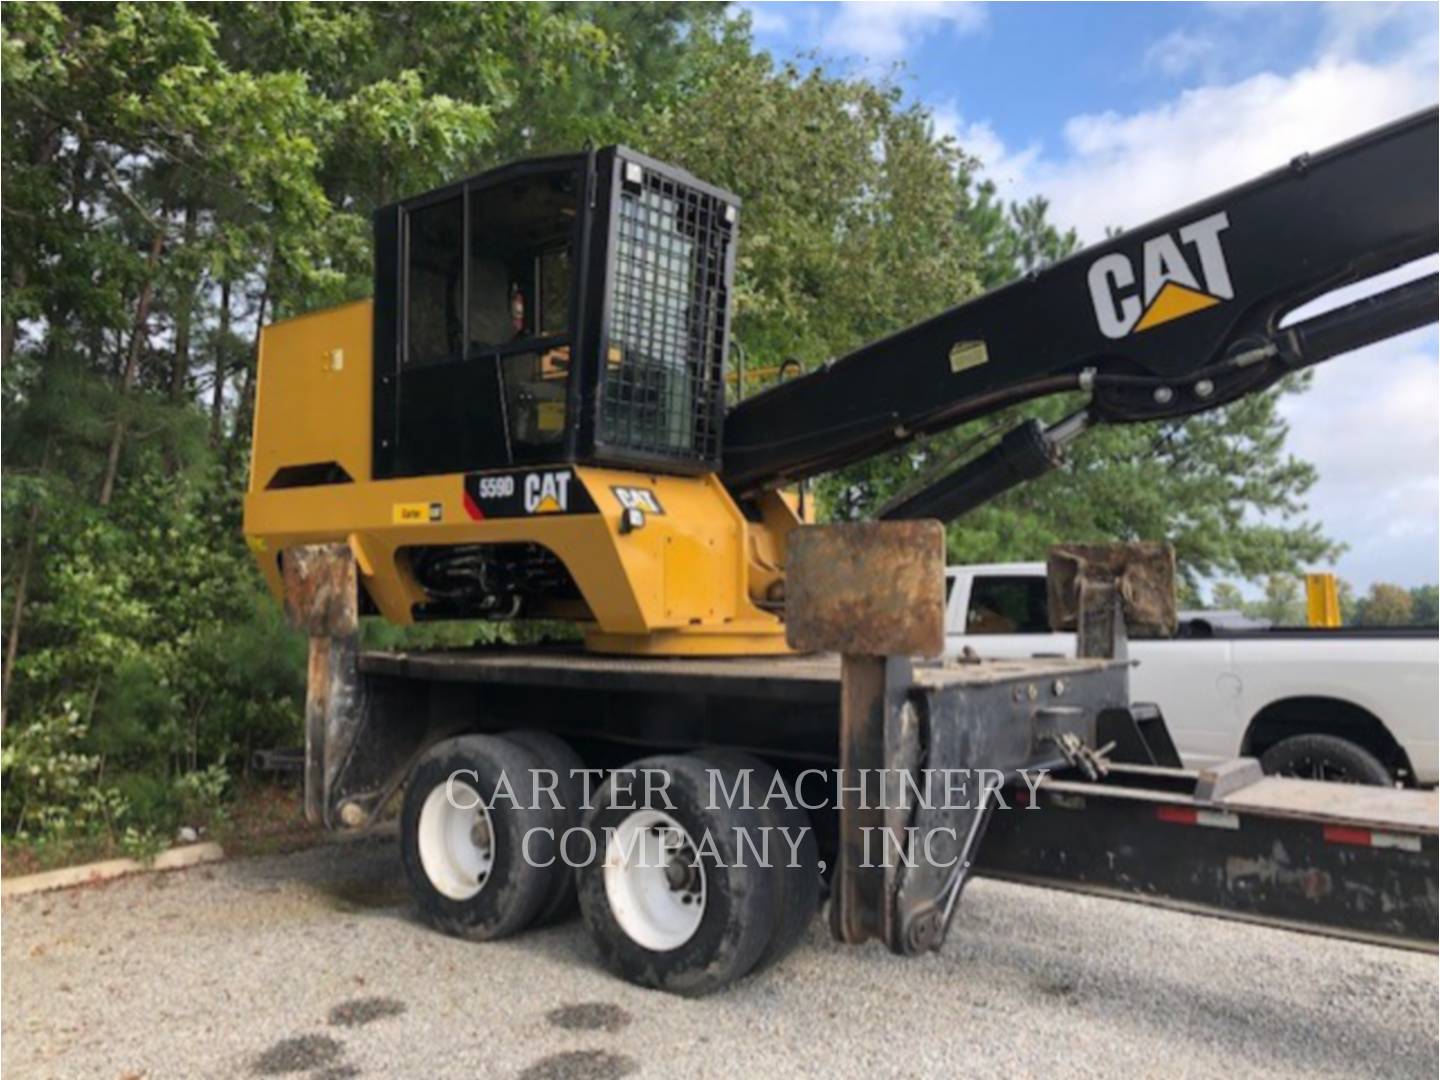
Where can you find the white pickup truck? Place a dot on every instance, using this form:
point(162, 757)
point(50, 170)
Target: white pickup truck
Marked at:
point(1330, 704)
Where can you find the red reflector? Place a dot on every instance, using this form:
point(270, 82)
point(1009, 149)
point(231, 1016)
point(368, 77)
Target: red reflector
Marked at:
point(1178, 815)
point(1341, 834)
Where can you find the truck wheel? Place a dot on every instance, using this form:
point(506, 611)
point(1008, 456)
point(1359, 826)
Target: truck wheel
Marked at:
point(1325, 757)
point(797, 887)
point(464, 857)
point(670, 898)
point(554, 753)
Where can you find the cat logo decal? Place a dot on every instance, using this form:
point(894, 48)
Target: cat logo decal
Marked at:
point(1180, 273)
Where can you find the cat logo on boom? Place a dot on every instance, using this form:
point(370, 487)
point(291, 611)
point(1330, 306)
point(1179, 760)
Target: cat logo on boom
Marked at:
point(1167, 285)
point(547, 493)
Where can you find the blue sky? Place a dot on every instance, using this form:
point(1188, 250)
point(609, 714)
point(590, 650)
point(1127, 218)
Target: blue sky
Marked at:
point(1120, 112)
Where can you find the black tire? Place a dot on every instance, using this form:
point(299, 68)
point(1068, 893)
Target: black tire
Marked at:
point(554, 753)
point(514, 891)
point(739, 907)
point(1325, 757)
point(797, 887)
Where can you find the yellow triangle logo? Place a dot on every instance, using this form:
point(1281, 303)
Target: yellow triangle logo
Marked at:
point(547, 505)
point(1174, 302)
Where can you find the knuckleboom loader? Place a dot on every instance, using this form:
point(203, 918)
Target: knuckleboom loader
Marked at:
point(528, 420)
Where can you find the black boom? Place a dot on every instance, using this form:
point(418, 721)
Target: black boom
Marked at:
point(1173, 318)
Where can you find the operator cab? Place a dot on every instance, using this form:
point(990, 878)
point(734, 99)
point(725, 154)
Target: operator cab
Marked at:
point(565, 309)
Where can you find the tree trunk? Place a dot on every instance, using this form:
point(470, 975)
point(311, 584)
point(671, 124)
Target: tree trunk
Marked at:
point(7, 316)
point(17, 615)
point(217, 392)
point(184, 312)
point(43, 148)
point(22, 585)
point(132, 359)
point(246, 411)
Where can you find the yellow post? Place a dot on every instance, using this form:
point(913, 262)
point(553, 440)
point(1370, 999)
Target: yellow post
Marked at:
point(1322, 601)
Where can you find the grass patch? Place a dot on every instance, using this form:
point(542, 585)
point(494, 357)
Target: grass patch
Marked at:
point(257, 819)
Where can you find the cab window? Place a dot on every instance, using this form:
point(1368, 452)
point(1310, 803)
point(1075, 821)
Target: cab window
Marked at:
point(434, 283)
point(488, 320)
point(521, 234)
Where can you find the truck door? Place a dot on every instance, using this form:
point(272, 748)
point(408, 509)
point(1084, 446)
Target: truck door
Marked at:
point(1193, 681)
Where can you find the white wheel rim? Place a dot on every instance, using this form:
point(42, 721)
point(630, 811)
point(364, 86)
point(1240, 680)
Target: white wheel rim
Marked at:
point(653, 881)
point(456, 840)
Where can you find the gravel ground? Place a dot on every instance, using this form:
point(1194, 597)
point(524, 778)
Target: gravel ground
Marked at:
point(312, 965)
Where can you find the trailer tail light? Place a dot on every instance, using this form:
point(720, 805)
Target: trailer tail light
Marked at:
point(1344, 834)
point(1191, 815)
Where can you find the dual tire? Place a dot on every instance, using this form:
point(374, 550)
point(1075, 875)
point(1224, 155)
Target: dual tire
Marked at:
point(479, 849)
point(679, 889)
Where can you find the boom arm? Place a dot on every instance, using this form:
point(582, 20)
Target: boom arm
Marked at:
point(1171, 319)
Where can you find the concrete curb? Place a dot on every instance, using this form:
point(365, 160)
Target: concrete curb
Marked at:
point(176, 858)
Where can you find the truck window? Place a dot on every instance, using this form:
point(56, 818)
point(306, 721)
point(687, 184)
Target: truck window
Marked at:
point(1007, 605)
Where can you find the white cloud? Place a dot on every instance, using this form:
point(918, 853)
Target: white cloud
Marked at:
point(1007, 168)
point(1180, 51)
point(884, 31)
point(1351, 29)
point(1368, 424)
point(1125, 169)
point(766, 19)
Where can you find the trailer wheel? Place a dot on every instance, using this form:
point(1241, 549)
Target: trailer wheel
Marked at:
point(1325, 757)
point(554, 753)
point(463, 848)
point(797, 887)
point(670, 898)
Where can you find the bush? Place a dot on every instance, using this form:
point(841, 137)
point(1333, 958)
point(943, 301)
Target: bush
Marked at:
point(154, 664)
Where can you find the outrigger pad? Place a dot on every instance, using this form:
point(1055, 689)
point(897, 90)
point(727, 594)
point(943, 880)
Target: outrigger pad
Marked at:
point(872, 588)
point(321, 590)
point(1143, 574)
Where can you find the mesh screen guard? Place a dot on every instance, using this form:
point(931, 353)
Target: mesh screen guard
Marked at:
point(662, 368)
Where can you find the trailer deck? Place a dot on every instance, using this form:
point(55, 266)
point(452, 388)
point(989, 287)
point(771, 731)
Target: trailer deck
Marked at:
point(815, 676)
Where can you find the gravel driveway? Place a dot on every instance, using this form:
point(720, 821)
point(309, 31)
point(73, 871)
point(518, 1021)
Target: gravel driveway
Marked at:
point(312, 965)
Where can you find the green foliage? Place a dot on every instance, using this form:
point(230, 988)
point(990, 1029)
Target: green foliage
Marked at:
point(177, 174)
point(150, 630)
point(848, 222)
point(1385, 605)
point(1283, 603)
point(1425, 605)
point(1226, 597)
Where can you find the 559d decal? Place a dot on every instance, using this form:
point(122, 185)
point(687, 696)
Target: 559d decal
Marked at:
point(526, 493)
